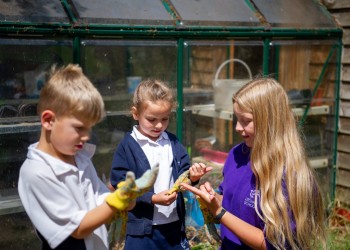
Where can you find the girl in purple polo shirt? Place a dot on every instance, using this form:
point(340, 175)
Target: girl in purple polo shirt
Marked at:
point(269, 197)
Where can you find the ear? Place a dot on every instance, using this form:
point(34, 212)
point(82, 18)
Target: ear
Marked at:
point(134, 113)
point(47, 119)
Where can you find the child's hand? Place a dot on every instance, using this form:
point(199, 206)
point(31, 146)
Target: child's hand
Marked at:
point(163, 198)
point(207, 195)
point(128, 190)
point(197, 170)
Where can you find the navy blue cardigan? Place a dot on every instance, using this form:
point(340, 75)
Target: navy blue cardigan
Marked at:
point(129, 156)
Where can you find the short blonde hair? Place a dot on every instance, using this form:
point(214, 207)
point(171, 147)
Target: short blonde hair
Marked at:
point(68, 92)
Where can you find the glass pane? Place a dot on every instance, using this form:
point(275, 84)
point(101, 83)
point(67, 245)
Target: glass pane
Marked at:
point(24, 64)
point(311, 90)
point(142, 12)
point(214, 13)
point(214, 70)
point(204, 58)
point(18, 232)
point(116, 67)
point(295, 14)
point(32, 11)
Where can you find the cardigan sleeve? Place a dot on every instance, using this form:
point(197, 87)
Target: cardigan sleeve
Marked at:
point(181, 158)
point(119, 166)
point(130, 157)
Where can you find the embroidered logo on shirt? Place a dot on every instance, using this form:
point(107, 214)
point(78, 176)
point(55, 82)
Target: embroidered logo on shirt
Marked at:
point(184, 244)
point(249, 201)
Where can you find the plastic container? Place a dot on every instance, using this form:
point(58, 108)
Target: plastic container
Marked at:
point(133, 82)
point(218, 157)
point(225, 88)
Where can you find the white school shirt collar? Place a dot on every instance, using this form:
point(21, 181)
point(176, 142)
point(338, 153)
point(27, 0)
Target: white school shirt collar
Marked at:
point(139, 136)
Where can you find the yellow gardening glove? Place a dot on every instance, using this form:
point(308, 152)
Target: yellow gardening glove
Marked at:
point(128, 190)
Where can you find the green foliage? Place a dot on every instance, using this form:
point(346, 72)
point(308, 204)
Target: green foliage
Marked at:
point(339, 239)
point(204, 246)
point(338, 229)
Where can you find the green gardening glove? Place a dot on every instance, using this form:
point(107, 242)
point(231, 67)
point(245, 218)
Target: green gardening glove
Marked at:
point(128, 190)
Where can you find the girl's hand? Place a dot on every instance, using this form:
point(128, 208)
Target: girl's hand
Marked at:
point(163, 198)
point(207, 194)
point(197, 170)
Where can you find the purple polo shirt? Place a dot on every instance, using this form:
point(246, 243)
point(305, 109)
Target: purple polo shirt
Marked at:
point(238, 189)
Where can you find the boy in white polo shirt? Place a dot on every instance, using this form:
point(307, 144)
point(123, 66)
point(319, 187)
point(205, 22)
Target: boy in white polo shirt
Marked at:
point(58, 185)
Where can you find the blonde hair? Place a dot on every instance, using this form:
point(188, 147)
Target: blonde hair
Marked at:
point(152, 90)
point(69, 92)
point(277, 157)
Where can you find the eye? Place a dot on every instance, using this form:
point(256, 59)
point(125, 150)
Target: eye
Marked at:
point(82, 129)
point(79, 128)
point(244, 122)
point(247, 121)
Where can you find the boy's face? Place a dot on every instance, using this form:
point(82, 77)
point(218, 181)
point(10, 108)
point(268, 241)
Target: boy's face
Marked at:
point(67, 137)
point(153, 118)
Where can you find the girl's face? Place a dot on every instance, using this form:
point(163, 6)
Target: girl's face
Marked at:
point(245, 125)
point(67, 137)
point(153, 119)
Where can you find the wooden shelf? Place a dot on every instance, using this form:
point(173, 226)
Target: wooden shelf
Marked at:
point(215, 165)
point(318, 162)
point(315, 162)
point(10, 204)
point(32, 124)
point(208, 110)
point(20, 128)
point(11, 125)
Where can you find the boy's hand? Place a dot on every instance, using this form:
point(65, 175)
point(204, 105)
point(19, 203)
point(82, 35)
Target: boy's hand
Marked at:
point(128, 190)
point(197, 170)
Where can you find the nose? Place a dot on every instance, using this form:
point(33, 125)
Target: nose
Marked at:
point(159, 125)
point(239, 127)
point(85, 136)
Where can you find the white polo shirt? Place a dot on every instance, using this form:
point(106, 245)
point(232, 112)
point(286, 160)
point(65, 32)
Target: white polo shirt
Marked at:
point(161, 152)
point(57, 195)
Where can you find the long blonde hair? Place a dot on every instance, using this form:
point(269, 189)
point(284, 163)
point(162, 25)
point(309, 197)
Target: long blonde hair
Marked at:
point(277, 159)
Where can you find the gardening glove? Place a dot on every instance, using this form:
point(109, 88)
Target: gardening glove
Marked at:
point(128, 190)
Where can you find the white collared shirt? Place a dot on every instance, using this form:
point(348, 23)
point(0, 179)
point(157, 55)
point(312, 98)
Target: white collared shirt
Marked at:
point(57, 195)
point(159, 151)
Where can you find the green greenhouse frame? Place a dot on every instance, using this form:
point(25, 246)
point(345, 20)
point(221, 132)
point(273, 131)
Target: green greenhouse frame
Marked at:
point(179, 20)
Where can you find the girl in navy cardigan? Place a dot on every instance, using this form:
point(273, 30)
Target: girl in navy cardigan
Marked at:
point(158, 219)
